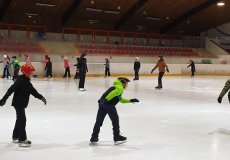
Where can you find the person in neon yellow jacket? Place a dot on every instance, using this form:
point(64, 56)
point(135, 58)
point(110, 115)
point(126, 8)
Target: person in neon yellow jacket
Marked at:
point(107, 104)
point(16, 65)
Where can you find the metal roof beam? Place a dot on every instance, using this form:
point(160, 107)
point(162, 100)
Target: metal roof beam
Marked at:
point(129, 13)
point(188, 14)
point(4, 9)
point(70, 12)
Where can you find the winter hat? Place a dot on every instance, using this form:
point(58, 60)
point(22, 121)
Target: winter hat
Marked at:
point(123, 79)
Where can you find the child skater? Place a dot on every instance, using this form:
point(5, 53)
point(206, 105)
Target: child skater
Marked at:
point(48, 68)
point(16, 64)
point(22, 88)
point(107, 105)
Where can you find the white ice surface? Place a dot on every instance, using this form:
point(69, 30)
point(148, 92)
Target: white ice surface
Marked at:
point(181, 122)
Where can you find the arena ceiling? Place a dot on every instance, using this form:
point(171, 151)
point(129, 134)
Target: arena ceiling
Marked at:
point(155, 16)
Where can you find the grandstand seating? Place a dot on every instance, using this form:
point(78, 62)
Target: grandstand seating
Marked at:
point(20, 46)
point(135, 50)
point(11, 46)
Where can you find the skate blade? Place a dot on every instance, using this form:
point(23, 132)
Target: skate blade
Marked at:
point(120, 142)
point(15, 141)
point(93, 143)
point(24, 145)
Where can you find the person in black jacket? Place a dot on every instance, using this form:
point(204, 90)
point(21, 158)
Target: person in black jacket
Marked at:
point(107, 104)
point(82, 65)
point(193, 68)
point(107, 67)
point(22, 88)
point(77, 69)
point(137, 66)
point(48, 68)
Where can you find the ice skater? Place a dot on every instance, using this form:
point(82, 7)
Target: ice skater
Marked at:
point(137, 66)
point(193, 68)
point(107, 67)
point(16, 65)
point(48, 68)
point(22, 88)
point(67, 68)
point(161, 65)
point(224, 91)
point(6, 65)
point(27, 58)
point(107, 105)
point(82, 64)
point(77, 68)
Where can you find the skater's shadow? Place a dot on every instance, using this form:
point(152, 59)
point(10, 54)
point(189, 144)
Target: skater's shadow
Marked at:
point(136, 86)
point(42, 146)
point(107, 83)
point(106, 148)
point(220, 131)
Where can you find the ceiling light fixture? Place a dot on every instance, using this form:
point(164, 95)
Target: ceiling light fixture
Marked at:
point(153, 18)
point(93, 21)
point(45, 4)
point(111, 12)
point(94, 9)
point(31, 14)
point(220, 4)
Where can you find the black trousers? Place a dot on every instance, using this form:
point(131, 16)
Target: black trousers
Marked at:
point(16, 70)
point(103, 110)
point(67, 71)
point(107, 72)
point(6, 72)
point(49, 73)
point(193, 73)
point(20, 124)
point(161, 74)
point(136, 74)
point(82, 80)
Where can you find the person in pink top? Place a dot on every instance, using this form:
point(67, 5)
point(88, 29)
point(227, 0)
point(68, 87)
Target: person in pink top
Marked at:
point(67, 68)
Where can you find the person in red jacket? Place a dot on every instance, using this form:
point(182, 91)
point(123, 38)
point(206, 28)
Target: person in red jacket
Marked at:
point(161, 65)
point(22, 88)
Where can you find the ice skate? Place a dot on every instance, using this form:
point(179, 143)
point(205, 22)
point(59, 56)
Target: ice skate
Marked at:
point(119, 140)
point(82, 89)
point(93, 141)
point(158, 87)
point(25, 143)
point(15, 140)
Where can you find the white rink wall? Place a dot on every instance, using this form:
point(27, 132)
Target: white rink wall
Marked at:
point(127, 68)
point(124, 65)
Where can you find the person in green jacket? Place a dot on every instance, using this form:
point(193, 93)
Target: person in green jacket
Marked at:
point(16, 65)
point(224, 91)
point(107, 104)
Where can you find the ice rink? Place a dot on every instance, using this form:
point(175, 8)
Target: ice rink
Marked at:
point(183, 121)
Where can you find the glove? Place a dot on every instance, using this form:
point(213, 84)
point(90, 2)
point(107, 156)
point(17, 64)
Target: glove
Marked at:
point(167, 70)
point(219, 99)
point(43, 100)
point(134, 100)
point(229, 96)
point(2, 102)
